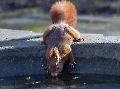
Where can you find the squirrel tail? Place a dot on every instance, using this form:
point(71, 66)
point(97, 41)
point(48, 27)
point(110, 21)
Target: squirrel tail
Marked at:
point(64, 11)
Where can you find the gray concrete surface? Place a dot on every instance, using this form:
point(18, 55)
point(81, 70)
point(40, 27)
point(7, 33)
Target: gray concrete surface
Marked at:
point(21, 53)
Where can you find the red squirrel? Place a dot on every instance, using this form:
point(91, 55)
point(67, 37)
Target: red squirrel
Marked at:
point(60, 35)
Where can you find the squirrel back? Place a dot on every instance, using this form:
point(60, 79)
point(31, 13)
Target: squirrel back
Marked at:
point(60, 35)
point(64, 11)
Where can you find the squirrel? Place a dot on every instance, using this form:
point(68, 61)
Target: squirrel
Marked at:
point(60, 35)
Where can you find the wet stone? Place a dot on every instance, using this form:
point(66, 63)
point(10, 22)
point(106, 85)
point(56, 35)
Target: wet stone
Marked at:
point(21, 53)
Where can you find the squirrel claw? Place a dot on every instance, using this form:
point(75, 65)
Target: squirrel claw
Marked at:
point(72, 64)
point(81, 39)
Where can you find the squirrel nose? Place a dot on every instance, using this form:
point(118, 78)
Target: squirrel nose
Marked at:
point(54, 74)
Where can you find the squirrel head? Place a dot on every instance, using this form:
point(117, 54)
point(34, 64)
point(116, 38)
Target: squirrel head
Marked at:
point(55, 66)
point(54, 69)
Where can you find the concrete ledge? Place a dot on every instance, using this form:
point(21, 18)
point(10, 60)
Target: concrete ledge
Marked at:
point(21, 53)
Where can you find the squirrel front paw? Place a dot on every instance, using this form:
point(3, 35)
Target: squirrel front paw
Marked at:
point(72, 64)
point(81, 39)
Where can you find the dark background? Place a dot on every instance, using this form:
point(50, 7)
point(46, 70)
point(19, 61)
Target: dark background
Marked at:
point(83, 6)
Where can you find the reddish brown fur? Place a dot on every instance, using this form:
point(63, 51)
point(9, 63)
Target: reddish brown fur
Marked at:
point(60, 35)
point(64, 11)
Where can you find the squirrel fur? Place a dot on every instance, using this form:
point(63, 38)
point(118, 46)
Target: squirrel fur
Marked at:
point(63, 11)
point(60, 35)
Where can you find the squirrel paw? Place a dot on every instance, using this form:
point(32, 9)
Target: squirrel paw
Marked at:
point(72, 64)
point(81, 39)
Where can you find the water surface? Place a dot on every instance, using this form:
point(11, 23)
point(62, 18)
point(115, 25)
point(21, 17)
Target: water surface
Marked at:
point(64, 81)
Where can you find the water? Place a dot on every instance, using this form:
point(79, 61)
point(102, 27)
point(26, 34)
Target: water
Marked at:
point(64, 81)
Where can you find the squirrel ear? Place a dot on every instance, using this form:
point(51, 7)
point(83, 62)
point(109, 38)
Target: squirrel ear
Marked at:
point(58, 61)
point(54, 48)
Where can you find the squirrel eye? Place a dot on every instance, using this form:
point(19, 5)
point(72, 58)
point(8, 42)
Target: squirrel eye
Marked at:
point(57, 68)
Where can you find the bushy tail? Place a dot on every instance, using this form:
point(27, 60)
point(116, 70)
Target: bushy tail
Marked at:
point(63, 11)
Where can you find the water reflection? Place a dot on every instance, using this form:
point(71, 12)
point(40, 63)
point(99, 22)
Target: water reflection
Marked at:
point(64, 81)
